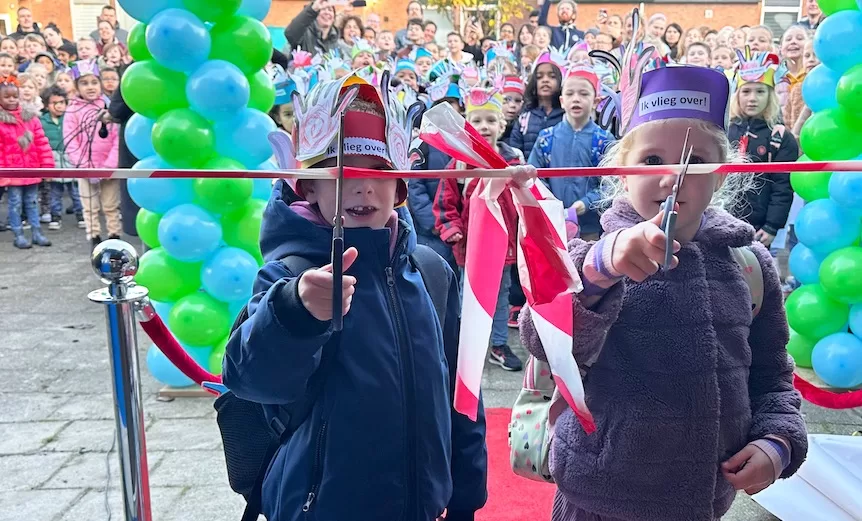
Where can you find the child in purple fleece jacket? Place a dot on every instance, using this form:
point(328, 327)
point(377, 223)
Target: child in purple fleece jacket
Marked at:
point(691, 392)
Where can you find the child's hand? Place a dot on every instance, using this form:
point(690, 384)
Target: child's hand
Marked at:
point(640, 250)
point(315, 288)
point(522, 175)
point(750, 470)
point(455, 238)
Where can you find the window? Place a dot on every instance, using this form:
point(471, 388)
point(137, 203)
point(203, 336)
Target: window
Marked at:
point(85, 17)
point(778, 15)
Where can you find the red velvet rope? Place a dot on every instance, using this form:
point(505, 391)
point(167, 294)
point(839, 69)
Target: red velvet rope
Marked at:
point(825, 398)
point(162, 337)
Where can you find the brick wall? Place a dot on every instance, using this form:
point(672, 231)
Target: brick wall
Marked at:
point(44, 11)
point(393, 13)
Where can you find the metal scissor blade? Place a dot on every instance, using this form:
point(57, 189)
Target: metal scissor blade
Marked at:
point(670, 213)
point(338, 238)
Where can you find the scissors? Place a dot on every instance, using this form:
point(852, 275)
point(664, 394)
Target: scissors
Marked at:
point(668, 223)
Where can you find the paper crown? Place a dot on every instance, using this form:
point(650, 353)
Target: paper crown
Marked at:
point(484, 98)
point(446, 81)
point(361, 45)
point(405, 64)
point(586, 72)
point(283, 84)
point(421, 52)
point(317, 121)
point(650, 94)
point(581, 46)
point(553, 56)
point(513, 85)
point(301, 58)
point(84, 68)
point(759, 67)
point(499, 51)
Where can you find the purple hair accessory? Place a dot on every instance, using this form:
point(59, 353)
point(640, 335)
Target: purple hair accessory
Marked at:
point(682, 92)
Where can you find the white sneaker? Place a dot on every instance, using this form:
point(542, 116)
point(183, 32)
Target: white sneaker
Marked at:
point(46, 218)
point(82, 225)
point(54, 225)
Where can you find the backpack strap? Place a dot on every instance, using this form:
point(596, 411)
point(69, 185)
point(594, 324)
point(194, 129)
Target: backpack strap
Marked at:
point(775, 140)
point(432, 269)
point(752, 272)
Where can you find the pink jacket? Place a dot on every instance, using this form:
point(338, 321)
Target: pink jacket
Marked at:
point(81, 126)
point(23, 145)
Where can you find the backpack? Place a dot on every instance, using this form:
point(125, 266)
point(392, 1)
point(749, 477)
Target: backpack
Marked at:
point(539, 403)
point(251, 437)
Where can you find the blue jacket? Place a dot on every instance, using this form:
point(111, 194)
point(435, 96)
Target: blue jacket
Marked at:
point(529, 124)
point(562, 146)
point(421, 192)
point(382, 441)
point(563, 37)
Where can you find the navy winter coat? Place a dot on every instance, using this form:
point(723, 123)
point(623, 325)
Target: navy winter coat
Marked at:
point(528, 125)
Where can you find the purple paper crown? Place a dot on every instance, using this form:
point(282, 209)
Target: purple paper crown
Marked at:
point(682, 92)
point(83, 68)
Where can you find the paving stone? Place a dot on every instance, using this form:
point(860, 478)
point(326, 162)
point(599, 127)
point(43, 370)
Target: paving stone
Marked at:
point(179, 408)
point(832, 428)
point(83, 436)
point(199, 503)
point(37, 505)
point(28, 380)
point(24, 407)
point(86, 407)
point(190, 468)
point(815, 414)
point(29, 471)
point(23, 438)
point(91, 506)
point(20, 340)
point(86, 470)
point(91, 381)
point(183, 434)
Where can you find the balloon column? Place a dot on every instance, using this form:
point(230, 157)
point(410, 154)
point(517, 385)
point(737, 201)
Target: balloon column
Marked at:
point(825, 314)
point(201, 97)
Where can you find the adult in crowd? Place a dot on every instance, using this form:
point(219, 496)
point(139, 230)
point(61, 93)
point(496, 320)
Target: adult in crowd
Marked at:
point(672, 38)
point(121, 113)
point(414, 10)
point(372, 20)
point(429, 28)
point(351, 31)
point(473, 35)
point(656, 27)
point(312, 29)
point(54, 38)
point(26, 25)
point(815, 16)
point(107, 36)
point(109, 14)
point(565, 35)
point(507, 35)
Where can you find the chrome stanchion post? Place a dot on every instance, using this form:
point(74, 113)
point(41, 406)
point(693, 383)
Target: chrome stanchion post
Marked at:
point(115, 263)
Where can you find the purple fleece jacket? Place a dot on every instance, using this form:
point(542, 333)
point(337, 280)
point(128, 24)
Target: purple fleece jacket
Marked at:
point(679, 378)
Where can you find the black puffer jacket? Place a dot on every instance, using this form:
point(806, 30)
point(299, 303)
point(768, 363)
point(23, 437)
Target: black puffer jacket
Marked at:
point(303, 32)
point(767, 206)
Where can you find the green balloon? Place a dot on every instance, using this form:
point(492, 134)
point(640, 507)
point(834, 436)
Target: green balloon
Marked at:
point(167, 278)
point(184, 138)
point(216, 357)
point(223, 195)
point(138, 43)
point(242, 41)
point(800, 349)
point(810, 186)
point(241, 228)
point(147, 225)
point(833, 6)
point(152, 90)
point(262, 92)
point(212, 10)
point(199, 320)
point(222, 163)
point(813, 314)
point(841, 275)
point(849, 93)
point(833, 134)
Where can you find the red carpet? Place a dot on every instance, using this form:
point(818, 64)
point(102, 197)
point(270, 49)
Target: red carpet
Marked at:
point(510, 497)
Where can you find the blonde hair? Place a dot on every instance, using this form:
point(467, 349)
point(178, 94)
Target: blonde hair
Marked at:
point(732, 191)
point(681, 46)
point(25, 77)
point(771, 114)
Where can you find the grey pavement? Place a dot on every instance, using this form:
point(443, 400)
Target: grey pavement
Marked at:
point(56, 416)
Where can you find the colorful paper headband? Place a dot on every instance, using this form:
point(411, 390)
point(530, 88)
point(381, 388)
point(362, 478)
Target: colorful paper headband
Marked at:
point(9, 80)
point(581, 46)
point(553, 56)
point(587, 73)
point(759, 67)
point(498, 51)
point(421, 52)
point(405, 64)
point(302, 58)
point(446, 81)
point(486, 97)
point(662, 93)
point(513, 85)
point(283, 84)
point(84, 68)
point(361, 45)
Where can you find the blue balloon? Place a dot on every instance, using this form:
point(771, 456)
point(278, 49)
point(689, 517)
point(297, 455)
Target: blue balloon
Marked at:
point(152, 162)
point(855, 322)
point(262, 189)
point(235, 308)
point(845, 188)
point(819, 88)
point(269, 165)
point(824, 226)
point(178, 40)
point(145, 10)
point(163, 309)
point(218, 90)
point(804, 264)
point(837, 360)
point(229, 274)
point(245, 137)
point(160, 195)
point(189, 233)
point(138, 136)
point(257, 9)
point(167, 373)
point(837, 42)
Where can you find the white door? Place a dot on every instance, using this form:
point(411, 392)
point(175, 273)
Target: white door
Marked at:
point(6, 24)
point(85, 16)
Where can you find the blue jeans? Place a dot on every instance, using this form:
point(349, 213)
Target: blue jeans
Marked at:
point(57, 190)
point(500, 322)
point(28, 198)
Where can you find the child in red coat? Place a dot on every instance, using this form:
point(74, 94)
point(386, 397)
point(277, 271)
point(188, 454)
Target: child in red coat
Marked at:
point(22, 145)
